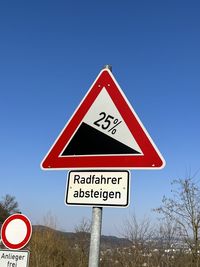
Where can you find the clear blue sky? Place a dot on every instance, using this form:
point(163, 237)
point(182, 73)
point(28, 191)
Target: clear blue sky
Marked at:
point(51, 52)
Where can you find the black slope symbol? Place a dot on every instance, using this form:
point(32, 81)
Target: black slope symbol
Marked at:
point(89, 141)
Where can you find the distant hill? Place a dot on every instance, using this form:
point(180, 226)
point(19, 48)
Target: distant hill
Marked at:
point(106, 241)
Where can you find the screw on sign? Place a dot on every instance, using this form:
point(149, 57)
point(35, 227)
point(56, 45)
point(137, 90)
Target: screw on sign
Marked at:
point(16, 231)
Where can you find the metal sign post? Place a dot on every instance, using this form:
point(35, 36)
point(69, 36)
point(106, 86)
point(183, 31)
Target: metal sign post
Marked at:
point(96, 230)
point(104, 132)
point(97, 188)
point(95, 236)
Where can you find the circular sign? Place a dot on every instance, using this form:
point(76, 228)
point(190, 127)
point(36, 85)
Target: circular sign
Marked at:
point(16, 231)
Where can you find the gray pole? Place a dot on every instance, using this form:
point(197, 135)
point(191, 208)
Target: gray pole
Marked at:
point(95, 237)
point(96, 227)
point(108, 67)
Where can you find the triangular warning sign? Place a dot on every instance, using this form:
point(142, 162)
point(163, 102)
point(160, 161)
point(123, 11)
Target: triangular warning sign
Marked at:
point(104, 132)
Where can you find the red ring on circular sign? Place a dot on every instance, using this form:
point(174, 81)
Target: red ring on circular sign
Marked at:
point(28, 233)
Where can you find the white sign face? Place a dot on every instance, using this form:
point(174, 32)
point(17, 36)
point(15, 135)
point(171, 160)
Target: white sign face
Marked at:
point(105, 117)
point(98, 188)
point(104, 123)
point(14, 258)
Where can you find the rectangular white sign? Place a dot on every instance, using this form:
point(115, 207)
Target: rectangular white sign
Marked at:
point(98, 188)
point(14, 258)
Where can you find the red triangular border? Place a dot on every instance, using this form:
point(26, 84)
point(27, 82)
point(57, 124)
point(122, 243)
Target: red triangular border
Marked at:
point(151, 157)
